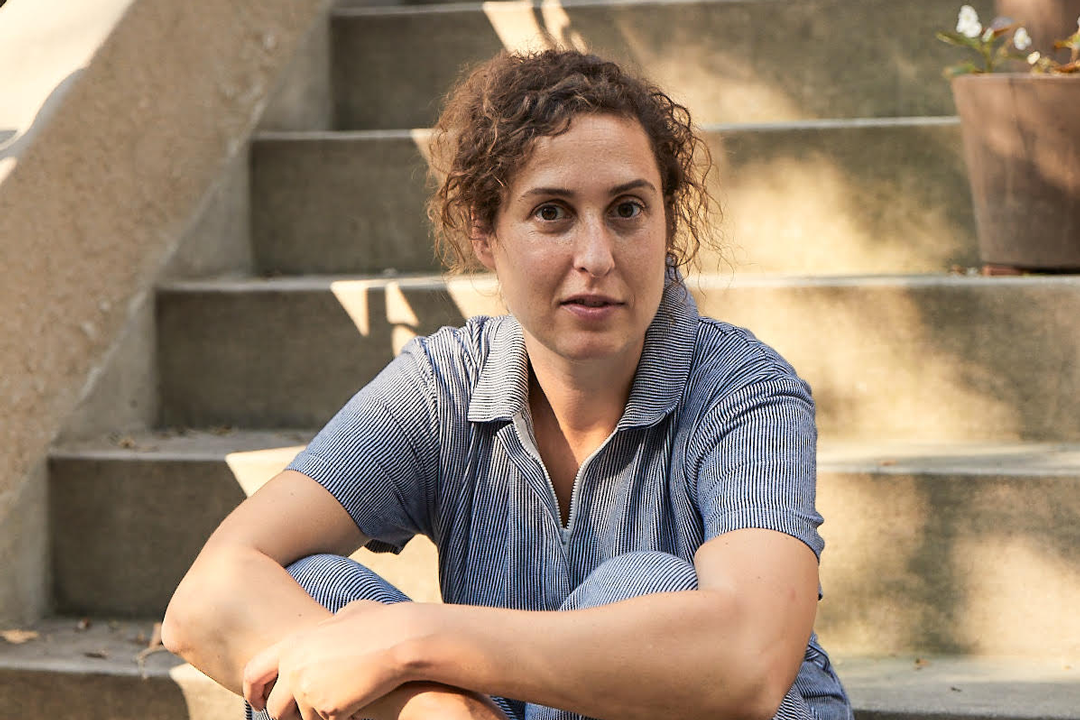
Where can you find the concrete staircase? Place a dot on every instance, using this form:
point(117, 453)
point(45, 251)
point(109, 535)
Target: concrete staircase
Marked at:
point(950, 452)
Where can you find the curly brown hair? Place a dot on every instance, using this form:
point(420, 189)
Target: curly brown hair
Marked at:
point(493, 117)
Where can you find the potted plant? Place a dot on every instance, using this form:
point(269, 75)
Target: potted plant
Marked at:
point(1021, 134)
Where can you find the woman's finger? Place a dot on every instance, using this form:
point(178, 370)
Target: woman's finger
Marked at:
point(259, 675)
point(280, 704)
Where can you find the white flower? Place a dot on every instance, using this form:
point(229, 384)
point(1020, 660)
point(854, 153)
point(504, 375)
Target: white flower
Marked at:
point(967, 23)
point(1033, 58)
point(1021, 39)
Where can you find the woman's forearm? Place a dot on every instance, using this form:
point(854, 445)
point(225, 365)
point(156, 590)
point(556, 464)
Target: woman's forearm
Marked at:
point(679, 655)
point(233, 603)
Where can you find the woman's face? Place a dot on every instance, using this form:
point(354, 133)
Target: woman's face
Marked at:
point(580, 241)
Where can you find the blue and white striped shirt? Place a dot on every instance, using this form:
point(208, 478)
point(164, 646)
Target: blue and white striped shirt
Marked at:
point(718, 434)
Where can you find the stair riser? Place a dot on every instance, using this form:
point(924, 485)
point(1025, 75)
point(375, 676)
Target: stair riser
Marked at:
point(949, 564)
point(339, 206)
point(959, 360)
point(930, 563)
point(90, 696)
point(123, 540)
point(728, 61)
point(806, 200)
point(963, 359)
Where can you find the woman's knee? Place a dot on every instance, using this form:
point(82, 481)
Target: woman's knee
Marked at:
point(335, 581)
point(632, 574)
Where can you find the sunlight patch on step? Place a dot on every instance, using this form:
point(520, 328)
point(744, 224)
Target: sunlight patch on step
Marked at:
point(415, 571)
point(877, 360)
point(808, 215)
point(688, 69)
point(1017, 593)
point(421, 137)
point(517, 24)
point(476, 295)
point(354, 298)
point(253, 468)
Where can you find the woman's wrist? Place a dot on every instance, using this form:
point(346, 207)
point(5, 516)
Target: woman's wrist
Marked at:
point(414, 658)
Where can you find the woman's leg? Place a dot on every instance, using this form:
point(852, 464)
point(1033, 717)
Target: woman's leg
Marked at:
point(334, 582)
point(644, 573)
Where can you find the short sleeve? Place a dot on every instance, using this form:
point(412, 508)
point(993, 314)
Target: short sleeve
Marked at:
point(759, 468)
point(379, 455)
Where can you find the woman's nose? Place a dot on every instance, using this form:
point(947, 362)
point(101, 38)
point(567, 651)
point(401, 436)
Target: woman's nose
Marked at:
point(595, 250)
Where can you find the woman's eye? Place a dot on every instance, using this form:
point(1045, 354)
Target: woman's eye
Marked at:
point(549, 212)
point(627, 210)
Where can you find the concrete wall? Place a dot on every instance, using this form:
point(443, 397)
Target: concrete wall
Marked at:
point(136, 112)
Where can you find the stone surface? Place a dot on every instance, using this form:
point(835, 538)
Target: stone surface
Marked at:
point(302, 99)
point(130, 515)
point(933, 358)
point(94, 674)
point(965, 549)
point(851, 196)
point(743, 61)
point(25, 580)
point(907, 688)
point(93, 202)
point(337, 203)
point(930, 547)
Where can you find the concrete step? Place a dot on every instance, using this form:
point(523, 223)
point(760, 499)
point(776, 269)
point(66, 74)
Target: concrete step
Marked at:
point(131, 513)
point(931, 548)
point(920, 357)
point(950, 548)
point(847, 196)
point(93, 675)
point(727, 60)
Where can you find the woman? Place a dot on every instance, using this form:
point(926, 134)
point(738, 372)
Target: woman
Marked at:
point(621, 491)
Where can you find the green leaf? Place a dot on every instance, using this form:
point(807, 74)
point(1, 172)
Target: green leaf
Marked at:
point(954, 38)
point(964, 68)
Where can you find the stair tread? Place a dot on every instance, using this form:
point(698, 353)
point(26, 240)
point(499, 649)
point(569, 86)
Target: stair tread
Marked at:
point(185, 444)
point(886, 457)
point(361, 134)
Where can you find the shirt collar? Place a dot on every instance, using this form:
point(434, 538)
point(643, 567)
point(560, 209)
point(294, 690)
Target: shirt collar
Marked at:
point(503, 388)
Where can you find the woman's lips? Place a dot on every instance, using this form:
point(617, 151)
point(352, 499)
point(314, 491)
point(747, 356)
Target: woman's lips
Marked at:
point(592, 307)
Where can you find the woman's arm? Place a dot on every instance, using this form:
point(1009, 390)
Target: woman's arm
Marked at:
point(730, 649)
point(237, 598)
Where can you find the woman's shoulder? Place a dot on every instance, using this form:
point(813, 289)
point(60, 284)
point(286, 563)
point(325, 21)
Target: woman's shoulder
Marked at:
point(459, 353)
point(728, 354)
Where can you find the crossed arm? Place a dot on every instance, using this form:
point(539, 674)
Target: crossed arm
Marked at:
point(730, 649)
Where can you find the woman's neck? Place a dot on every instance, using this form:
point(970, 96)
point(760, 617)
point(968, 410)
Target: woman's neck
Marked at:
point(586, 398)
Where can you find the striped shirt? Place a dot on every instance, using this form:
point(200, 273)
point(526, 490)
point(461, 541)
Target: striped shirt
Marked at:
point(718, 434)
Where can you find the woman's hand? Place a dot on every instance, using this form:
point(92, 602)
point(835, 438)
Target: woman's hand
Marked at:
point(337, 668)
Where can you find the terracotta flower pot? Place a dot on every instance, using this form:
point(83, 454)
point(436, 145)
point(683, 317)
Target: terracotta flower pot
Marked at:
point(1022, 149)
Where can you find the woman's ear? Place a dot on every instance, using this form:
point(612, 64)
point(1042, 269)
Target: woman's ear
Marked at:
point(483, 244)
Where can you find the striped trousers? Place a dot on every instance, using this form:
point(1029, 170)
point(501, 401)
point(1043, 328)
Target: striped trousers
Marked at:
point(336, 581)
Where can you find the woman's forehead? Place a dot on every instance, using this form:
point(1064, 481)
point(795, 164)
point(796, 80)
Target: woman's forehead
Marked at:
point(596, 150)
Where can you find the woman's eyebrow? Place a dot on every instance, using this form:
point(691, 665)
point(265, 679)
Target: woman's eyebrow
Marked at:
point(564, 192)
point(633, 185)
point(560, 192)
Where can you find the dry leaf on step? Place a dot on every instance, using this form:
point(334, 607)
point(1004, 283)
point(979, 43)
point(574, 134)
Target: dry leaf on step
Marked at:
point(18, 637)
point(152, 647)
